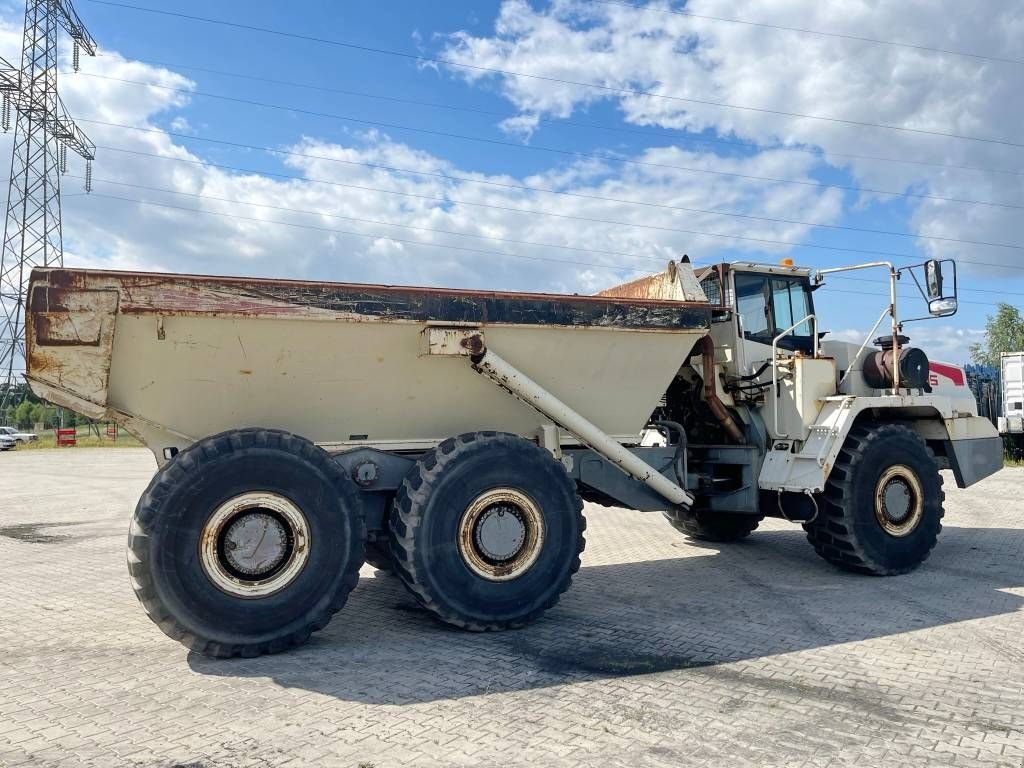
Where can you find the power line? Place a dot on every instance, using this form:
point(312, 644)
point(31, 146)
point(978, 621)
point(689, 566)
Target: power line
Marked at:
point(202, 196)
point(821, 33)
point(534, 212)
point(418, 242)
point(529, 188)
point(362, 220)
point(362, 234)
point(661, 132)
point(547, 78)
point(529, 211)
point(43, 135)
point(554, 150)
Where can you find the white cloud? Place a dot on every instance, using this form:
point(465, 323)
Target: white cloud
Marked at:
point(335, 184)
point(942, 341)
point(625, 48)
point(603, 43)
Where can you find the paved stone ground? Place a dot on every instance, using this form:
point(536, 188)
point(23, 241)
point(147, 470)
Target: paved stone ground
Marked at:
point(663, 654)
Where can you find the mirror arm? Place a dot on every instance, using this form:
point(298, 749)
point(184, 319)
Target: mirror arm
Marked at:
point(920, 288)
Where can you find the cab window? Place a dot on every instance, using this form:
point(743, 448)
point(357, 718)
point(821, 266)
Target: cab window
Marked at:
point(791, 304)
point(767, 305)
point(712, 287)
point(752, 308)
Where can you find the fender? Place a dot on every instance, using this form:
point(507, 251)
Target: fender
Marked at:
point(971, 446)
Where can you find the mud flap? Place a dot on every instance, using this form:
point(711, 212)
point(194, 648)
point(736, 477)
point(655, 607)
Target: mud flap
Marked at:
point(974, 460)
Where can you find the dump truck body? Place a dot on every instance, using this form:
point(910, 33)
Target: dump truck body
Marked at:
point(176, 358)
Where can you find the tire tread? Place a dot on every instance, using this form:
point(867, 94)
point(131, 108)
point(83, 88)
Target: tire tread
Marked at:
point(181, 469)
point(833, 533)
point(406, 519)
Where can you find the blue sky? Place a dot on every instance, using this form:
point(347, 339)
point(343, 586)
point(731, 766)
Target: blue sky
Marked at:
point(571, 40)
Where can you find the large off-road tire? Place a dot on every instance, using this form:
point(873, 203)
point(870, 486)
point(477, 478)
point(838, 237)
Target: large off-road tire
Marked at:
point(378, 554)
point(881, 512)
point(246, 542)
point(721, 527)
point(487, 531)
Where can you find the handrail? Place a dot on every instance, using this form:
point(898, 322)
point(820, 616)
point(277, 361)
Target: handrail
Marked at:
point(775, 363)
point(863, 346)
point(894, 275)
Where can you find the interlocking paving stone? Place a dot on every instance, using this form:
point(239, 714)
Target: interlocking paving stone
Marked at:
point(665, 652)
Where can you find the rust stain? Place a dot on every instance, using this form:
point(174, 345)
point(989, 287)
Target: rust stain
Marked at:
point(59, 329)
point(188, 295)
point(245, 372)
point(474, 344)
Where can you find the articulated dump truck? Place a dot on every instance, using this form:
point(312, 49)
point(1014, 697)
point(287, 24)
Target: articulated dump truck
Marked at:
point(451, 436)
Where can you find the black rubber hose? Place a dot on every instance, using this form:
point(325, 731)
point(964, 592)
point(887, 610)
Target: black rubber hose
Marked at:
point(679, 459)
point(756, 374)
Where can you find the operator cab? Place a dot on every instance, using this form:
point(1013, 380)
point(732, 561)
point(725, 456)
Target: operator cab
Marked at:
point(767, 302)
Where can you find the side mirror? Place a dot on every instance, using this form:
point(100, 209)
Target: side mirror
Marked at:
point(942, 307)
point(933, 281)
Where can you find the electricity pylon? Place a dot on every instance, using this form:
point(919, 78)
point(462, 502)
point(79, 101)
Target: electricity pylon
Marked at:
point(43, 135)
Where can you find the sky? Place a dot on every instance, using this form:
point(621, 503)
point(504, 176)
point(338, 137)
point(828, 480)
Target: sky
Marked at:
point(562, 145)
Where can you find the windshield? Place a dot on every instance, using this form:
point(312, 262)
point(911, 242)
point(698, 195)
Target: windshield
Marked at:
point(768, 305)
point(791, 303)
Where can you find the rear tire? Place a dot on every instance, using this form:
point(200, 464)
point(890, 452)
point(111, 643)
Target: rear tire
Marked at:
point(246, 542)
point(487, 531)
point(881, 512)
point(721, 527)
point(378, 554)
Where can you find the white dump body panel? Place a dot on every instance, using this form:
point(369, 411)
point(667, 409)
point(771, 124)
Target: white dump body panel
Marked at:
point(177, 358)
point(1012, 420)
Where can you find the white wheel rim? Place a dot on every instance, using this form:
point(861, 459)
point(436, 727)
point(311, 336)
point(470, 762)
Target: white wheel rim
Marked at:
point(255, 544)
point(899, 501)
point(501, 534)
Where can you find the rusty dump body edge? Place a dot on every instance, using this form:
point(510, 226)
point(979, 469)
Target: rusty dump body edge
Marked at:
point(178, 357)
point(199, 294)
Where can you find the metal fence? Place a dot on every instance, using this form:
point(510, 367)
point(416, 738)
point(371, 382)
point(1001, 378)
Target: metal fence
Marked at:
point(985, 384)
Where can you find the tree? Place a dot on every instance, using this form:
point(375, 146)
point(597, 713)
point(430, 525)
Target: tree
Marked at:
point(1004, 332)
point(23, 415)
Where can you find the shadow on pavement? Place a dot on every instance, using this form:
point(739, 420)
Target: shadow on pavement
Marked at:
point(766, 596)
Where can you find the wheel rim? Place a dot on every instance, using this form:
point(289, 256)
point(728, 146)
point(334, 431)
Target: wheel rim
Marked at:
point(899, 501)
point(255, 544)
point(501, 534)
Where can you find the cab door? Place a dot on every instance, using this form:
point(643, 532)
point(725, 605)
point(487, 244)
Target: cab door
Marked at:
point(766, 305)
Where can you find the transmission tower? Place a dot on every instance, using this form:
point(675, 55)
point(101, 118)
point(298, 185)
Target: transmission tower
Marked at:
point(43, 135)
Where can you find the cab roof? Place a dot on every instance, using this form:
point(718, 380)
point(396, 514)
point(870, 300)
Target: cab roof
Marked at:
point(751, 266)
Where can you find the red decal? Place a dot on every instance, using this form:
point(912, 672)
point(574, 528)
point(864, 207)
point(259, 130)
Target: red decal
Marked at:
point(948, 371)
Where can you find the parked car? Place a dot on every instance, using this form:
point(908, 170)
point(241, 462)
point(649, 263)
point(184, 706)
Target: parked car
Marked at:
point(7, 442)
point(18, 437)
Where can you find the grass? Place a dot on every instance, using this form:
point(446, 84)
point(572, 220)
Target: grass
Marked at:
point(48, 440)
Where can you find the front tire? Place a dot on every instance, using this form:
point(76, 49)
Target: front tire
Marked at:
point(246, 542)
point(487, 531)
point(881, 512)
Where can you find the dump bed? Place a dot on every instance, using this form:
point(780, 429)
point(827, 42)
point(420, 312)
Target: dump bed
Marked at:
point(174, 358)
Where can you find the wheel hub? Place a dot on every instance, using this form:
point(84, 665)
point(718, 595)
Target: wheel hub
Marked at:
point(254, 545)
point(899, 501)
point(501, 534)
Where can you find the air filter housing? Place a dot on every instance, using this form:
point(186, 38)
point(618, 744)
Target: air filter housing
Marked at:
point(880, 367)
